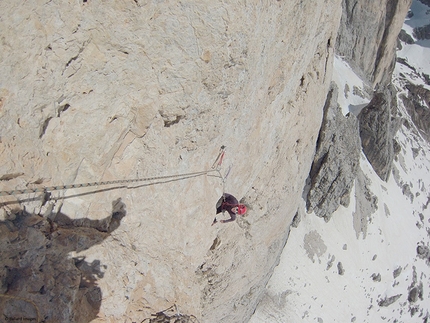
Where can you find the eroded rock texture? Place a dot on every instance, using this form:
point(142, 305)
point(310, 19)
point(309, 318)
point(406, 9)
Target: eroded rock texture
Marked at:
point(104, 90)
point(40, 281)
point(378, 125)
point(417, 104)
point(422, 32)
point(336, 159)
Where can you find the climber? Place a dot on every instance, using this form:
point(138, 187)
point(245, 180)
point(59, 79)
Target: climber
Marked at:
point(229, 203)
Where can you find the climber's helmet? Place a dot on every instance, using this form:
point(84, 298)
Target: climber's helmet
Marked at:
point(241, 209)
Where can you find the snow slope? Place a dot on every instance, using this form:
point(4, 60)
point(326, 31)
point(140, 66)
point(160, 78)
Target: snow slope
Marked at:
point(370, 262)
point(352, 97)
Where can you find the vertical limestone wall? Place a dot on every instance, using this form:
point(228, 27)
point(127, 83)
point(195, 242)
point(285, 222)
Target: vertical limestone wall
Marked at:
point(103, 90)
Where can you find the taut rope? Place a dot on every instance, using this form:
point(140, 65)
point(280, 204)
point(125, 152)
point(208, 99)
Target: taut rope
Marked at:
point(215, 168)
point(121, 181)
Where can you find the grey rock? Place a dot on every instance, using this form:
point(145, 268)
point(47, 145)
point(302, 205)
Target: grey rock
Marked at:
point(330, 262)
point(37, 269)
point(388, 300)
point(366, 203)
point(405, 37)
point(397, 272)
point(406, 190)
point(404, 61)
point(426, 78)
point(397, 147)
point(368, 34)
point(419, 113)
point(415, 293)
point(426, 2)
point(415, 290)
point(336, 160)
point(378, 125)
point(314, 245)
point(423, 251)
point(296, 220)
point(422, 32)
point(340, 269)
point(376, 277)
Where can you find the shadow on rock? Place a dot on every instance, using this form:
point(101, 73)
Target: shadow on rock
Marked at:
point(39, 281)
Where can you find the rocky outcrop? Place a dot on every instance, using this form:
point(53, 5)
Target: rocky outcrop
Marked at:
point(387, 301)
point(336, 159)
point(366, 203)
point(405, 37)
point(378, 125)
point(37, 269)
point(422, 32)
point(108, 90)
point(367, 40)
point(417, 104)
point(367, 36)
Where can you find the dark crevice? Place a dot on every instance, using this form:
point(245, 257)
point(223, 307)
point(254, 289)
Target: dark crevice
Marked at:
point(44, 127)
point(302, 80)
point(74, 58)
point(62, 108)
point(168, 123)
point(8, 177)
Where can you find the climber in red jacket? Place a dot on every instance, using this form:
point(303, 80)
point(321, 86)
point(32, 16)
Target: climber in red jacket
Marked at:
point(229, 203)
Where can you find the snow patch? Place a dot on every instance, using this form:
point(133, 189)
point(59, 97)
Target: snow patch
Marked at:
point(352, 95)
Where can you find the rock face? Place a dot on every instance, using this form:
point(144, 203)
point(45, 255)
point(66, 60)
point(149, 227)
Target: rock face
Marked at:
point(37, 270)
point(367, 36)
point(378, 125)
point(367, 39)
point(336, 159)
point(422, 32)
point(105, 90)
point(404, 36)
point(417, 104)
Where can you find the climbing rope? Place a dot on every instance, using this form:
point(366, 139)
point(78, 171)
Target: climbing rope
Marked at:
point(121, 181)
point(215, 168)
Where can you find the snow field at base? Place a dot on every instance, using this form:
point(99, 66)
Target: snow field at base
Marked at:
point(306, 290)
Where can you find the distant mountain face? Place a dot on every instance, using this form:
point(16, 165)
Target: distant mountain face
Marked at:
point(426, 2)
point(367, 37)
point(413, 76)
point(379, 235)
point(367, 43)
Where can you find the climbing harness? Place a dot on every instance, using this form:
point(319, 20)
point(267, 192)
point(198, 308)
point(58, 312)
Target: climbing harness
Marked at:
point(219, 159)
point(215, 168)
